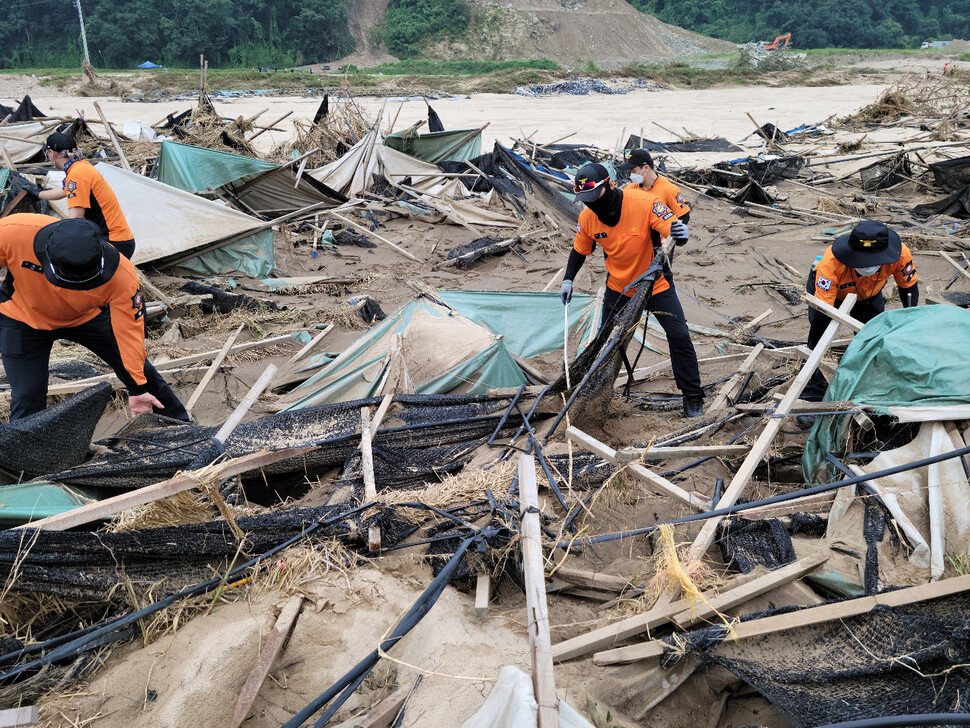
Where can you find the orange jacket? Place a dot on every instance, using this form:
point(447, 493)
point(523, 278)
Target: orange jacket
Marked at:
point(85, 187)
point(629, 251)
point(44, 306)
point(835, 280)
point(668, 192)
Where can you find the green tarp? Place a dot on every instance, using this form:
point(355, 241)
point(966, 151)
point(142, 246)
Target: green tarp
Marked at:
point(251, 256)
point(199, 170)
point(905, 357)
point(531, 323)
point(25, 502)
point(459, 145)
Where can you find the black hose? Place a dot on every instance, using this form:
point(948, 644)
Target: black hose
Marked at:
point(904, 721)
point(345, 686)
point(782, 498)
point(512, 405)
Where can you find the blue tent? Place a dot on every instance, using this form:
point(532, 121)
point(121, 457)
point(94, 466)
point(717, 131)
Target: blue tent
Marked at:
point(149, 64)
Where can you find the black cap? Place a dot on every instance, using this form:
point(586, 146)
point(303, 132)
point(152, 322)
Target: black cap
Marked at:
point(870, 243)
point(60, 142)
point(74, 254)
point(637, 158)
point(590, 178)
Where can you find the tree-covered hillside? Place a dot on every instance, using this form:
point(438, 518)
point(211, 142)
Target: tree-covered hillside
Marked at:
point(123, 33)
point(820, 23)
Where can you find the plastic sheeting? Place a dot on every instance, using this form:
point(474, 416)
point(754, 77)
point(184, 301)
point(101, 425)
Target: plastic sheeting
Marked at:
point(905, 357)
point(512, 704)
point(426, 348)
point(170, 224)
point(457, 145)
point(23, 141)
point(531, 323)
point(196, 169)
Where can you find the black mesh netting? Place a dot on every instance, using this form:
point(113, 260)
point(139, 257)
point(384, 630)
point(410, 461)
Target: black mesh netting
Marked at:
point(602, 360)
point(952, 174)
point(224, 302)
point(886, 172)
point(588, 470)
point(690, 145)
point(76, 369)
point(956, 205)
point(26, 111)
point(890, 661)
point(55, 438)
point(957, 298)
point(349, 237)
point(151, 448)
point(769, 171)
point(83, 565)
point(478, 248)
point(746, 544)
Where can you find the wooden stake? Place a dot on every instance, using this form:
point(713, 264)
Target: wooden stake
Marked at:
point(370, 484)
point(248, 401)
point(213, 368)
point(632, 454)
point(694, 500)
point(706, 536)
point(267, 128)
point(365, 231)
point(16, 717)
point(113, 137)
point(271, 649)
point(732, 385)
point(483, 591)
point(537, 618)
point(832, 312)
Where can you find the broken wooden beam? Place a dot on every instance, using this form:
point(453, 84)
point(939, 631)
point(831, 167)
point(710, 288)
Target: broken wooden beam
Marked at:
point(634, 454)
point(483, 593)
point(590, 443)
point(537, 617)
point(733, 385)
point(361, 229)
point(213, 368)
point(832, 312)
point(367, 469)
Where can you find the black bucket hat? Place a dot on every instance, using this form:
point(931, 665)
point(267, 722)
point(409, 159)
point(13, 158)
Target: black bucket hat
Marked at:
point(74, 254)
point(870, 243)
point(590, 178)
point(637, 158)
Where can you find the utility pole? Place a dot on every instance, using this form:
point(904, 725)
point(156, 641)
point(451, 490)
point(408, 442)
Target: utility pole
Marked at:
point(84, 37)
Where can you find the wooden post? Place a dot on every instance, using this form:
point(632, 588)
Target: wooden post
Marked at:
point(694, 500)
point(832, 312)
point(732, 385)
point(483, 591)
point(16, 717)
point(543, 681)
point(370, 484)
point(213, 368)
point(706, 536)
point(248, 401)
point(365, 231)
point(272, 647)
point(113, 137)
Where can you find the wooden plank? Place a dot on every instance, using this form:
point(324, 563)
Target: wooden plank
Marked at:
point(141, 496)
point(289, 368)
point(816, 615)
point(9, 207)
point(694, 500)
point(592, 579)
point(706, 536)
point(365, 231)
point(832, 312)
point(271, 649)
point(747, 589)
point(213, 368)
point(756, 321)
point(632, 454)
point(248, 401)
point(483, 592)
point(370, 484)
point(801, 406)
point(535, 591)
point(384, 713)
point(15, 717)
point(732, 385)
point(963, 271)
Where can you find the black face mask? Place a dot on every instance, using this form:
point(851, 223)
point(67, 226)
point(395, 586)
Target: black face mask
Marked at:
point(607, 207)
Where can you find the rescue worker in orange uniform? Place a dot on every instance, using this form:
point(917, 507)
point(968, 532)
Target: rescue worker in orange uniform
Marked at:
point(859, 262)
point(643, 176)
point(623, 226)
point(88, 195)
point(64, 281)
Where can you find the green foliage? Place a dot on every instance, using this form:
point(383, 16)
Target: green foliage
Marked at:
point(422, 67)
point(123, 33)
point(820, 23)
point(409, 24)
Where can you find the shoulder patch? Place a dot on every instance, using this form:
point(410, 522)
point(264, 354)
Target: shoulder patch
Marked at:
point(138, 305)
point(681, 200)
point(71, 187)
point(908, 269)
point(662, 211)
point(823, 284)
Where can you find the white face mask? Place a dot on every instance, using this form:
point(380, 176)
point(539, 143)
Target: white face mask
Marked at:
point(636, 179)
point(868, 271)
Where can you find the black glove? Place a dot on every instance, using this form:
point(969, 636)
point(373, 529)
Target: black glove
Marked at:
point(19, 183)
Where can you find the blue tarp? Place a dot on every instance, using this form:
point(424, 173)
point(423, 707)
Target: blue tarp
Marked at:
point(148, 64)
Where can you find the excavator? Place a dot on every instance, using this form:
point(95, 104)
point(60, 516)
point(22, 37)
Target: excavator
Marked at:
point(773, 46)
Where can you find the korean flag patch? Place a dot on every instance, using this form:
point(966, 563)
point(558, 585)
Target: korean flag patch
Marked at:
point(823, 284)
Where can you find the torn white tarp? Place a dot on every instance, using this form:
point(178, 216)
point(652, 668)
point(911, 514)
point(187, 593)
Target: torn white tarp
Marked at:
point(24, 141)
point(512, 704)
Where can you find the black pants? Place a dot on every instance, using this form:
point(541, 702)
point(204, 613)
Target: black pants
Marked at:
point(26, 356)
point(863, 311)
point(666, 306)
point(125, 247)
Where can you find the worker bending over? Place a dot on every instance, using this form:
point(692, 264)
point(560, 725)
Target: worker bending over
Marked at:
point(87, 193)
point(622, 225)
point(859, 262)
point(64, 281)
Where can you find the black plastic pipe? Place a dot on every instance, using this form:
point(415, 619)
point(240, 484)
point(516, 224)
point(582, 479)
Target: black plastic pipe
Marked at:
point(904, 721)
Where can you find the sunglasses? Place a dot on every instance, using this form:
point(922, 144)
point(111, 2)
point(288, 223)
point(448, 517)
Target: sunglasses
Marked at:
point(586, 185)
